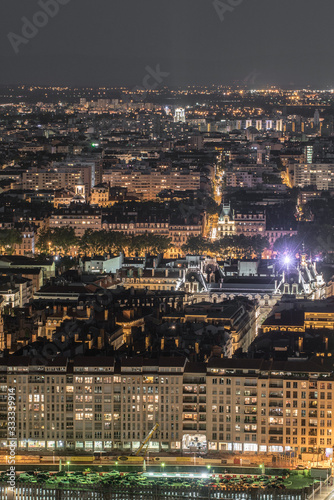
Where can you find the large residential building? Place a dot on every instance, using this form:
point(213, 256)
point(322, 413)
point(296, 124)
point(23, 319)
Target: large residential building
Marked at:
point(148, 183)
point(131, 223)
point(250, 222)
point(320, 175)
point(93, 404)
point(155, 279)
point(61, 176)
point(79, 216)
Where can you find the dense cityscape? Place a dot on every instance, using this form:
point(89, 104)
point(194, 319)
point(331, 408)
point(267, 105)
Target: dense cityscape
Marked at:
point(167, 266)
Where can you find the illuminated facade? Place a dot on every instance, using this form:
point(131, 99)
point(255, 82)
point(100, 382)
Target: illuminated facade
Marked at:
point(148, 183)
point(224, 405)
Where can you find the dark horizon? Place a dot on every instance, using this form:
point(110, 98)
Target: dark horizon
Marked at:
point(197, 42)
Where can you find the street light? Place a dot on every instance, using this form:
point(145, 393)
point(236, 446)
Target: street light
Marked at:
point(68, 467)
point(163, 466)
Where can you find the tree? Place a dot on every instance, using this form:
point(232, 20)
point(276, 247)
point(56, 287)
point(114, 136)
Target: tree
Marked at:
point(8, 239)
point(196, 245)
point(45, 240)
point(64, 238)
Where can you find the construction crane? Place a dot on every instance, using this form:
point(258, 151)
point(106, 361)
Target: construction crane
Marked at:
point(144, 444)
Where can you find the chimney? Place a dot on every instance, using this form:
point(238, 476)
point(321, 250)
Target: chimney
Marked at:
point(277, 315)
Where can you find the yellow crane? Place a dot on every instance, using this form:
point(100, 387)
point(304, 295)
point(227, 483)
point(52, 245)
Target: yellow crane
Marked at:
point(136, 457)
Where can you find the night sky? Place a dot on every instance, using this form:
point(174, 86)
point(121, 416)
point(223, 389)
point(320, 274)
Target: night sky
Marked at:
point(111, 42)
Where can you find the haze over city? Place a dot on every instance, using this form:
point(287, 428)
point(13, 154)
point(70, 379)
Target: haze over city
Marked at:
point(197, 42)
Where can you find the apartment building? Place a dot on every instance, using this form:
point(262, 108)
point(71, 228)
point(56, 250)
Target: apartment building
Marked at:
point(161, 225)
point(148, 183)
point(250, 222)
point(41, 179)
point(153, 279)
point(320, 175)
point(224, 405)
point(242, 179)
point(27, 245)
point(81, 217)
point(61, 176)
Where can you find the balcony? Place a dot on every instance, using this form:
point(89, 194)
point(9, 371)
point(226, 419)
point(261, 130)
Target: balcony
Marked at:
point(189, 427)
point(190, 409)
point(276, 432)
point(276, 413)
point(190, 390)
point(278, 394)
point(189, 418)
point(189, 399)
point(275, 440)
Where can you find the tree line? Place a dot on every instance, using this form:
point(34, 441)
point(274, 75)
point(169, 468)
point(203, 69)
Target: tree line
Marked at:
point(237, 246)
point(64, 241)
